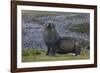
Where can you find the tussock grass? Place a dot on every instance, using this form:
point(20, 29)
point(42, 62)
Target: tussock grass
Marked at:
point(30, 55)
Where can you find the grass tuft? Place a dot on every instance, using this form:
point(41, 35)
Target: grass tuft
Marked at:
point(31, 55)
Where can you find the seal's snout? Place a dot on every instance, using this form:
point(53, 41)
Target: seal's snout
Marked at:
point(50, 26)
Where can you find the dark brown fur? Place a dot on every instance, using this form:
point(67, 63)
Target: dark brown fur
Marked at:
point(60, 45)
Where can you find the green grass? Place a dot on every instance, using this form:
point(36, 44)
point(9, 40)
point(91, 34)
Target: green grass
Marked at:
point(45, 13)
point(83, 28)
point(29, 55)
point(40, 13)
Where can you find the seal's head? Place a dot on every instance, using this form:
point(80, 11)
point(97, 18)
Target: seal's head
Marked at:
point(50, 26)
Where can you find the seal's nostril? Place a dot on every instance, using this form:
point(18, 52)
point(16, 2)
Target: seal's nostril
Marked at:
point(50, 26)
